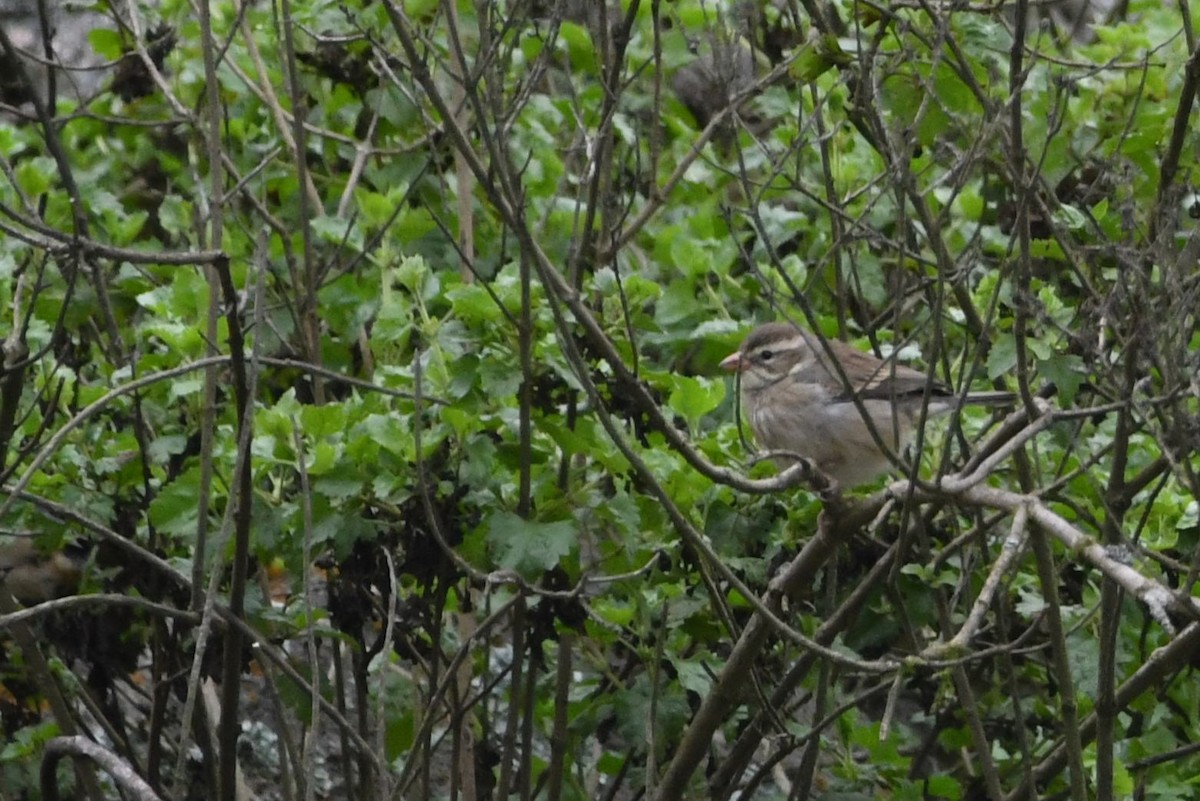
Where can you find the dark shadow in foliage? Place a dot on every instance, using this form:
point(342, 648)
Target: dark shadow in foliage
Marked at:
point(132, 79)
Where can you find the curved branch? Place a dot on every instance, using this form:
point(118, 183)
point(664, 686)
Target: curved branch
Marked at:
point(80, 747)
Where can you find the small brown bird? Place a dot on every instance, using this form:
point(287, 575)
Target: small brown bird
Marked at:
point(32, 576)
point(796, 401)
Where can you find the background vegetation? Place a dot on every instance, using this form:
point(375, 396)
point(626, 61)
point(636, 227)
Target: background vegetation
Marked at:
point(365, 354)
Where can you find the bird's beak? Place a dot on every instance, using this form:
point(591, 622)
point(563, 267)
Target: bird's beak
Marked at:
point(733, 362)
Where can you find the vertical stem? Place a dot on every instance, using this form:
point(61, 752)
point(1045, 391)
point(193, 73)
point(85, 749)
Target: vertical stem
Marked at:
point(215, 240)
point(805, 776)
point(461, 713)
point(211, 236)
point(1116, 502)
point(1016, 83)
point(558, 737)
point(1048, 575)
point(241, 497)
point(524, 784)
point(309, 322)
point(1179, 131)
point(508, 745)
point(464, 183)
point(525, 392)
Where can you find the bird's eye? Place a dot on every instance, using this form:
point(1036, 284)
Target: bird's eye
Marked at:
point(766, 355)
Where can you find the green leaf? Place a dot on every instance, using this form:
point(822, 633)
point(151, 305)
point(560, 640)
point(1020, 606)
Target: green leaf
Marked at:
point(611, 764)
point(391, 433)
point(1068, 373)
point(163, 448)
point(399, 734)
point(1071, 217)
point(693, 676)
point(579, 47)
point(414, 274)
point(376, 209)
point(677, 304)
point(970, 204)
point(296, 696)
point(420, 8)
point(174, 509)
point(184, 387)
point(1031, 605)
point(613, 613)
point(527, 546)
point(106, 42)
point(1190, 517)
point(1002, 358)
point(473, 305)
point(338, 231)
point(323, 421)
point(338, 487)
point(689, 255)
point(322, 458)
point(28, 742)
point(35, 176)
point(414, 223)
point(945, 787)
point(816, 57)
point(695, 397)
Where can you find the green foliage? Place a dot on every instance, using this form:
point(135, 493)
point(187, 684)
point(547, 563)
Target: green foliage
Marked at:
point(480, 315)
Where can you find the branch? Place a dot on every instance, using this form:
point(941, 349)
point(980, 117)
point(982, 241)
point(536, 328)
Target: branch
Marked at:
point(1157, 598)
point(76, 746)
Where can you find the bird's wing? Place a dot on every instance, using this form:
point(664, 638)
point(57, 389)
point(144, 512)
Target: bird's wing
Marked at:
point(876, 379)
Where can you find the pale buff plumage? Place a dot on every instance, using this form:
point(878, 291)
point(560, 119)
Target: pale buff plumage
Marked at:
point(795, 401)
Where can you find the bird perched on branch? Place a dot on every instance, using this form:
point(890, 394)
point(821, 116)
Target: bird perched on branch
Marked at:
point(798, 403)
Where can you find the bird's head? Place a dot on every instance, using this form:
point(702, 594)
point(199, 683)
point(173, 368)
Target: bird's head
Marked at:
point(768, 354)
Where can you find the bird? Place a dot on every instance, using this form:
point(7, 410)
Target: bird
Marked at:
point(796, 402)
point(32, 576)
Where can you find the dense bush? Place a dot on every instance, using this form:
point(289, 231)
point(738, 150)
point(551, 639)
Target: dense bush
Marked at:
point(367, 354)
